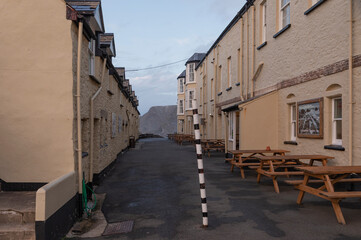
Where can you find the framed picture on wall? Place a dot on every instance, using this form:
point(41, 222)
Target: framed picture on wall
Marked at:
point(310, 118)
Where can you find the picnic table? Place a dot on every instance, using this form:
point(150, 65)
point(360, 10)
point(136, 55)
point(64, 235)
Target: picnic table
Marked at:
point(329, 176)
point(180, 138)
point(269, 164)
point(212, 144)
point(242, 158)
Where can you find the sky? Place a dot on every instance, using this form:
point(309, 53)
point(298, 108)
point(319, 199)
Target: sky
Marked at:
point(151, 33)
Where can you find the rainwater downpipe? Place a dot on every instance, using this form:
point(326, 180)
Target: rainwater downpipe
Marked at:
point(253, 49)
point(350, 90)
point(78, 113)
point(92, 123)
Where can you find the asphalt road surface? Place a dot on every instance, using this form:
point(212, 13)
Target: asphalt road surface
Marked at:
point(156, 186)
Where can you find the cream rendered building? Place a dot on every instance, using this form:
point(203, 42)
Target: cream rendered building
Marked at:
point(280, 75)
point(66, 112)
point(185, 119)
point(180, 103)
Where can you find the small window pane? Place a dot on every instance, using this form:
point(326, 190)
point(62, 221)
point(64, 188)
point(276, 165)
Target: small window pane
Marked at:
point(284, 2)
point(338, 108)
point(286, 16)
point(338, 129)
point(294, 113)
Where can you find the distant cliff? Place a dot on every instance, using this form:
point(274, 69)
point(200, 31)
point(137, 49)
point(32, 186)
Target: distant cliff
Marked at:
point(160, 120)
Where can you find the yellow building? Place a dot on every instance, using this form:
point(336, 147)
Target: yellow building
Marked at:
point(66, 112)
point(280, 75)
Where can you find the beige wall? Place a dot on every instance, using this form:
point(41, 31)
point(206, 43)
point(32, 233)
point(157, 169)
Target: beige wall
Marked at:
point(259, 123)
point(36, 91)
point(301, 52)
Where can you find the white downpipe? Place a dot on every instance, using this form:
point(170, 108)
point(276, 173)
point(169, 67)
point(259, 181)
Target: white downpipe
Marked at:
point(91, 163)
point(78, 113)
point(350, 90)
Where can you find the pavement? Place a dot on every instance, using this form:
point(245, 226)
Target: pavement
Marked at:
point(156, 185)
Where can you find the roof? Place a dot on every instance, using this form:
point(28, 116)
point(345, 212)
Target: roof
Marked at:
point(182, 75)
point(91, 9)
point(197, 57)
point(107, 41)
point(239, 15)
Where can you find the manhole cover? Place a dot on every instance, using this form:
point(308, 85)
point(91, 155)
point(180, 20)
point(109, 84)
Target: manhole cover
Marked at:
point(117, 228)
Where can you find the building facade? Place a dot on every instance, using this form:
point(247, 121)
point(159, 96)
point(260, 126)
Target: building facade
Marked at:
point(286, 74)
point(187, 84)
point(67, 111)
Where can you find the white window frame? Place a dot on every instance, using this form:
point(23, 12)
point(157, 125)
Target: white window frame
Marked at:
point(229, 74)
point(181, 85)
point(91, 49)
point(190, 99)
point(282, 12)
point(191, 72)
point(231, 127)
point(264, 21)
point(336, 141)
point(180, 107)
point(293, 122)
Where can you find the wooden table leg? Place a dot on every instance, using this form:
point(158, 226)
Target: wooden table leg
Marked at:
point(335, 202)
point(259, 174)
point(274, 178)
point(302, 193)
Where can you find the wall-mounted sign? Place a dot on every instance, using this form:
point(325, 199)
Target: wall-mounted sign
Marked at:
point(310, 118)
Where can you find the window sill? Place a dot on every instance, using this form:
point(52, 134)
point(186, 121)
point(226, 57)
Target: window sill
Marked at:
point(282, 30)
point(314, 6)
point(262, 45)
point(238, 84)
point(228, 89)
point(290, 143)
point(92, 77)
point(110, 92)
point(334, 147)
point(219, 94)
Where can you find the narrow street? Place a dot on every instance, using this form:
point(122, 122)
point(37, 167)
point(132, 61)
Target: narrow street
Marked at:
point(156, 186)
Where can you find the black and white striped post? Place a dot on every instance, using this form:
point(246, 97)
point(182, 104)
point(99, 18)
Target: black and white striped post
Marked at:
point(202, 183)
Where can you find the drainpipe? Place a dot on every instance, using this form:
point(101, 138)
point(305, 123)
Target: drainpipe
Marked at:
point(350, 91)
point(92, 123)
point(78, 113)
point(241, 61)
point(253, 49)
point(247, 45)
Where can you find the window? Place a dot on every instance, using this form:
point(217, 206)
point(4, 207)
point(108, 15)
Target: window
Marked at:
point(180, 107)
point(181, 85)
point(263, 21)
point(231, 126)
point(229, 75)
point(293, 122)
point(337, 121)
point(191, 72)
point(219, 84)
point(212, 89)
point(91, 49)
point(190, 98)
point(181, 126)
point(285, 13)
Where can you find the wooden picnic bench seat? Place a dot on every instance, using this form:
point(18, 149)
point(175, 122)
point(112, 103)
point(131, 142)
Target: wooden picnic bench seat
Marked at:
point(300, 181)
point(340, 195)
point(296, 173)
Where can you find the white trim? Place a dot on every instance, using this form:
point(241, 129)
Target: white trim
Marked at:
point(336, 141)
point(293, 121)
point(264, 21)
point(282, 8)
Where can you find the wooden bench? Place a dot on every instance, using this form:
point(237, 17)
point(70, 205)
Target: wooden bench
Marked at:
point(341, 195)
point(296, 182)
point(329, 175)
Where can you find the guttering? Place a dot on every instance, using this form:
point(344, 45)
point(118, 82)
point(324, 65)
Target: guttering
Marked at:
point(91, 163)
point(350, 63)
point(78, 106)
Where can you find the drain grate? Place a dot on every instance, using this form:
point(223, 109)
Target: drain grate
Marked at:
point(119, 227)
